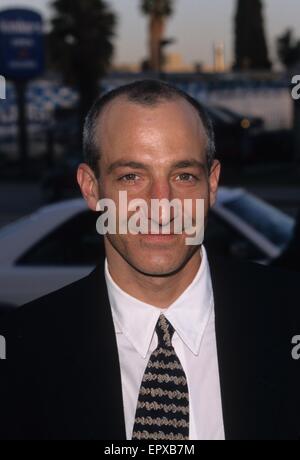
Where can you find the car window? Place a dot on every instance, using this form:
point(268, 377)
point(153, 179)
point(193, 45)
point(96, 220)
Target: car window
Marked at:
point(267, 220)
point(76, 243)
point(222, 239)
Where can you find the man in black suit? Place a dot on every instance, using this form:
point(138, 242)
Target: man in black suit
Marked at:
point(163, 341)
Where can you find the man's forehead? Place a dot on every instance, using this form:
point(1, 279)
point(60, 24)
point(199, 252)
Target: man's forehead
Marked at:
point(169, 130)
point(122, 109)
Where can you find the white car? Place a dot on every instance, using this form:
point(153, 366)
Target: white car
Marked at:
point(59, 244)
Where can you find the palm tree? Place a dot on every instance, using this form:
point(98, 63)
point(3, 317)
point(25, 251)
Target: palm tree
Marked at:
point(158, 11)
point(288, 49)
point(251, 48)
point(81, 45)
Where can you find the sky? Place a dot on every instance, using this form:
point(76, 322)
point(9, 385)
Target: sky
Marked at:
point(196, 24)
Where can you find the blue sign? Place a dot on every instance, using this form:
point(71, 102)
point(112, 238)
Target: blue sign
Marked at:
point(21, 44)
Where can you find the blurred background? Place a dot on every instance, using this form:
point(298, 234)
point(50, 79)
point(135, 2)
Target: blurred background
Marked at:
point(240, 58)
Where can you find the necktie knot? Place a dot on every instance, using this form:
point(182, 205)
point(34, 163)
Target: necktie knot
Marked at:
point(165, 332)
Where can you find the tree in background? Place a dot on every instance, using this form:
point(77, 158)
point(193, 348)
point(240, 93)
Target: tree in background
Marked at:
point(288, 49)
point(251, 52)
point(157, 11)
point(81, 46)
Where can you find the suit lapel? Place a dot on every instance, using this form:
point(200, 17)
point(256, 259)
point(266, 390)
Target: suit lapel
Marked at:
point(101, 378)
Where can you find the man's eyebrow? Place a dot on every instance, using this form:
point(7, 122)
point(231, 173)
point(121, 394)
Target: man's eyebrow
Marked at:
point(189, 164)
point(125, 164)
point(136, 165)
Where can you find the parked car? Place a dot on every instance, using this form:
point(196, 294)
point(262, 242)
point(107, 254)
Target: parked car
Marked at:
point(59, 244)
point(235, 133)
point(246, 121)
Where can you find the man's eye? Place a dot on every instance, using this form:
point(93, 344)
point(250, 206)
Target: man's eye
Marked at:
point(129, 178)
point(186, 178)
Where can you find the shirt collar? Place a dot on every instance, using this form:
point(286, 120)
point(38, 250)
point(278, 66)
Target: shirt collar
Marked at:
point(189, 314)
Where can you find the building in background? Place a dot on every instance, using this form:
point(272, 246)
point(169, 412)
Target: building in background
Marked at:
point(219, 57)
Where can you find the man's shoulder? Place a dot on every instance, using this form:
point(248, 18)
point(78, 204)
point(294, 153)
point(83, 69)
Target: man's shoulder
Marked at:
point(269, 278)
point(259, 290)
point(55, 306)
point(250, 274)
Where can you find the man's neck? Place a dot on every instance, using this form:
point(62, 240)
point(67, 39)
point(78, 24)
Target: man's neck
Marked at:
point(161, 292)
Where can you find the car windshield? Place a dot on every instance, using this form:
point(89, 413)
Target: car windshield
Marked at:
point(272, 223)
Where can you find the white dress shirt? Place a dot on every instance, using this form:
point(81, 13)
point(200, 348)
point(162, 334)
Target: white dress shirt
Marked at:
point(194, 340)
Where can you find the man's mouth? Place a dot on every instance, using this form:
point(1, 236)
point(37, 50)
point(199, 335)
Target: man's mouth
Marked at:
point(158, 238)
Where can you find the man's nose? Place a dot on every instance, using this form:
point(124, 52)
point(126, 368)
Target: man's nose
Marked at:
point(161, 190)
point(160, 213)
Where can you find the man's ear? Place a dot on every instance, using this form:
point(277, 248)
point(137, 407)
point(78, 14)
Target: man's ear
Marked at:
point(214, 178)
point(89, 185)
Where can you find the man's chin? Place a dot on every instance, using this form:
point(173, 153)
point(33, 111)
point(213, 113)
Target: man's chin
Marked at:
point(158, 264)
point(156, 271)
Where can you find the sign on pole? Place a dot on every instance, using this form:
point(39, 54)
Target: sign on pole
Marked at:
point(21, 44)
point(21, 59)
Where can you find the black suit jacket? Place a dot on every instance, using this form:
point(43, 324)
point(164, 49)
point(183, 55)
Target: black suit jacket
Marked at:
point(61, 379)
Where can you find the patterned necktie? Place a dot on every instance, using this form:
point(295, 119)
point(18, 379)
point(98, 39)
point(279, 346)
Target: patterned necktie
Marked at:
point(163, 404)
